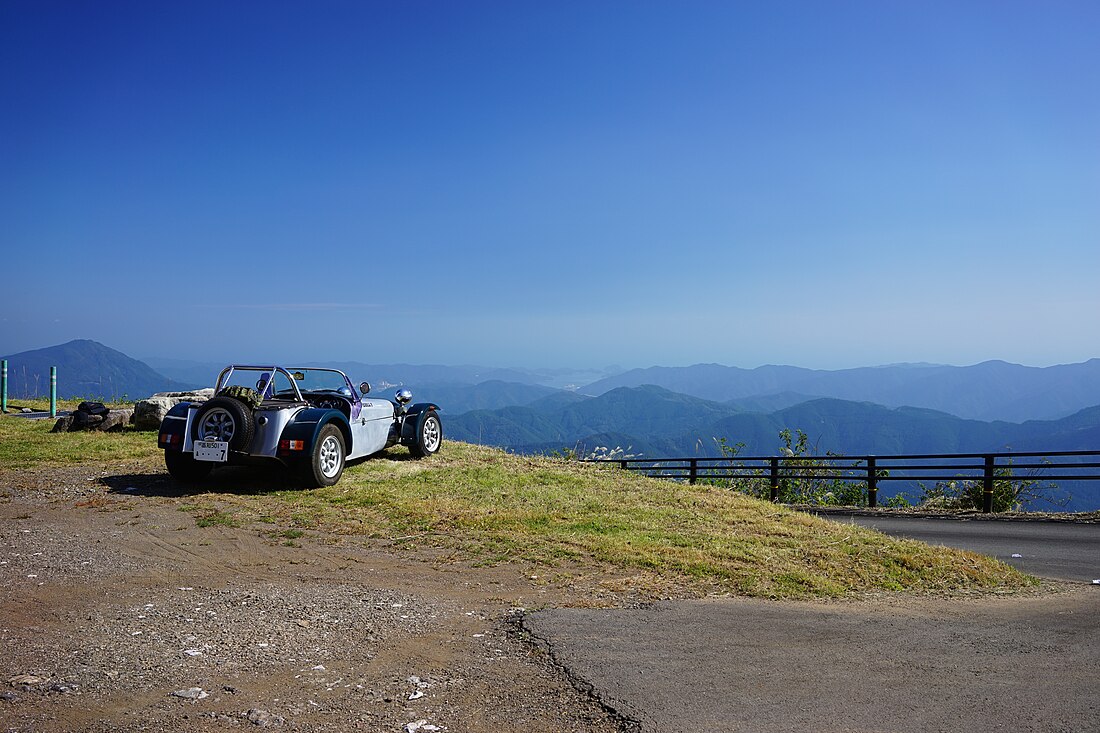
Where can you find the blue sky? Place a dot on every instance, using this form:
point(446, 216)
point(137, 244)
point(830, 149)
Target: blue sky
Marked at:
point(826, 184)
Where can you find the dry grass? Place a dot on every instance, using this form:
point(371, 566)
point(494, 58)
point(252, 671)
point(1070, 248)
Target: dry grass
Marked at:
point(482, 505)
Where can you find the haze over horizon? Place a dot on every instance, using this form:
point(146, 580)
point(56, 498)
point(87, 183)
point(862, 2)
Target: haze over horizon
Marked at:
point(825, 185)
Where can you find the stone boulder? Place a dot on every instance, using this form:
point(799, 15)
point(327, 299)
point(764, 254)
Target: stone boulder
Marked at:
point(93, 416)
point(149, 412)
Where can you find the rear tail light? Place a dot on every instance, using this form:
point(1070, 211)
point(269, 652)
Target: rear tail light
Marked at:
point(289, 445)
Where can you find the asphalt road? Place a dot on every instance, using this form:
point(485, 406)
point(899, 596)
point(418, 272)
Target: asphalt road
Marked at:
point(1064, 551)
point(905, 665)
point(913, 666)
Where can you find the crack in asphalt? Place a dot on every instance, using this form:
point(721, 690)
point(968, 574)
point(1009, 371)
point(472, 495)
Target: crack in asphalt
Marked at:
point(516, 627)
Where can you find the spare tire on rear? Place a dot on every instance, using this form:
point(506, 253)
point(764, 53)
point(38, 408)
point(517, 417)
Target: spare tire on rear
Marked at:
point(224, 418)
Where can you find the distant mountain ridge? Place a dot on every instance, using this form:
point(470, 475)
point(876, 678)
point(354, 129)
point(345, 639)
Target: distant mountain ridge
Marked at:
point(655, 422)
point(992, 390)
point(84, 369)
point(661, 422)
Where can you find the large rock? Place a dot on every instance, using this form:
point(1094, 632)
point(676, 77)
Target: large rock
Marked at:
point(116, 420)
point(110, 421)
point(149, 412)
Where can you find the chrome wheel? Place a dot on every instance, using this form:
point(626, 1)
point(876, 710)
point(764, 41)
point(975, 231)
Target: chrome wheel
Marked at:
point(330, 456)
point(433, 434)
point(217, 424)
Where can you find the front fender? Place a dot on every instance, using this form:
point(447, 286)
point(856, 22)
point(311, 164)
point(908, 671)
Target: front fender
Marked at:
point(411, 419)
point(304, 428)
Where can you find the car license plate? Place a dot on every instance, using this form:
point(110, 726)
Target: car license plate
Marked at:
point(211, 450)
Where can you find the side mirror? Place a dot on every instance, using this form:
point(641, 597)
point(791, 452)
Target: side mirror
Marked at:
point(364, 388)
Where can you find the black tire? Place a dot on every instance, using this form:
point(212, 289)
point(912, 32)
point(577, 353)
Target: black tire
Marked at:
point(429, 434)
point(224, 418)
point(183, 467)
point(325, 465)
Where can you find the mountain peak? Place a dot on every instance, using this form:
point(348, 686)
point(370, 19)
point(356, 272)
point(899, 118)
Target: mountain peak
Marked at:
point(85, 368)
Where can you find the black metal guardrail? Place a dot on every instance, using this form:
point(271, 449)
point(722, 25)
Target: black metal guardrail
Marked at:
point(1054, 465)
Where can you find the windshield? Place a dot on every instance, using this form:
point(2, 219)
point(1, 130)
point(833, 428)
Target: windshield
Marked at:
point(316, 380)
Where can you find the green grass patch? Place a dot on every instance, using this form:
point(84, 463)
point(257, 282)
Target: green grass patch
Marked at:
point(486, 506)
point(26, 443)
point(215, 518)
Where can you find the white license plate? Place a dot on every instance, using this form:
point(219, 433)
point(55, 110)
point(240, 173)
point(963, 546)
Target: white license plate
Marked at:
point(211, 450)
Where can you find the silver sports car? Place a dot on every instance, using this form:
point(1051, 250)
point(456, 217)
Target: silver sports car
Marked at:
point(310, 420)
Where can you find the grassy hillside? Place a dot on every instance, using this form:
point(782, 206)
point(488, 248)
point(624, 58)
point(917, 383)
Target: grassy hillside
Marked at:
point(482, 505)
point(475, 504)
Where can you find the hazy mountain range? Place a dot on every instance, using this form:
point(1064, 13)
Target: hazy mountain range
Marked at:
point(84, 369)
point(665, 411)
point(658, 422)
point(992, 390)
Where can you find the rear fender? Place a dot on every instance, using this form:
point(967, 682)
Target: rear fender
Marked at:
point(173, 428)
point(306, 425)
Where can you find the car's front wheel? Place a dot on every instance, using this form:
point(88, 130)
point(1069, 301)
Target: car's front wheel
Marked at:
point(429, 434)
point(326, 462)
point(183, 467)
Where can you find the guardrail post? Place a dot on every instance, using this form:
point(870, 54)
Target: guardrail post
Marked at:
point(872, 483)
point(987, 486)
point(53, 391)
point(775, 479)
point(622, 465)
point(694, 471)
point(4, 386)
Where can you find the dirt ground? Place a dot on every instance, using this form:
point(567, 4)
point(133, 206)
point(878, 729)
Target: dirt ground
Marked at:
point(118, 613)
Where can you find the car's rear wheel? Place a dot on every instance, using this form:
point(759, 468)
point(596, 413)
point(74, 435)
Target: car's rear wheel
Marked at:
point(183, 467)
point(429, 434)
point(326, 462)
point(225, 419)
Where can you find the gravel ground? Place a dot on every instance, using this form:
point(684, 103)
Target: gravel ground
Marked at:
point(118, 613)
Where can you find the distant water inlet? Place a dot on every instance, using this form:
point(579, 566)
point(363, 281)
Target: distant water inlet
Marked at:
point(990, 482)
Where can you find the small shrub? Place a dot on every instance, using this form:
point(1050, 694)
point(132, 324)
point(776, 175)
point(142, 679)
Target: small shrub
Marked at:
point(1012, 491)
point(806, 478)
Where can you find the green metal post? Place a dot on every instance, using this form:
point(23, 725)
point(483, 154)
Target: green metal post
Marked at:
point(4, 386)
point(53, 391)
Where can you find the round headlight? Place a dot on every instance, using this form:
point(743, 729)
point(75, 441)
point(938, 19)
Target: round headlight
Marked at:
point(404, 396)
